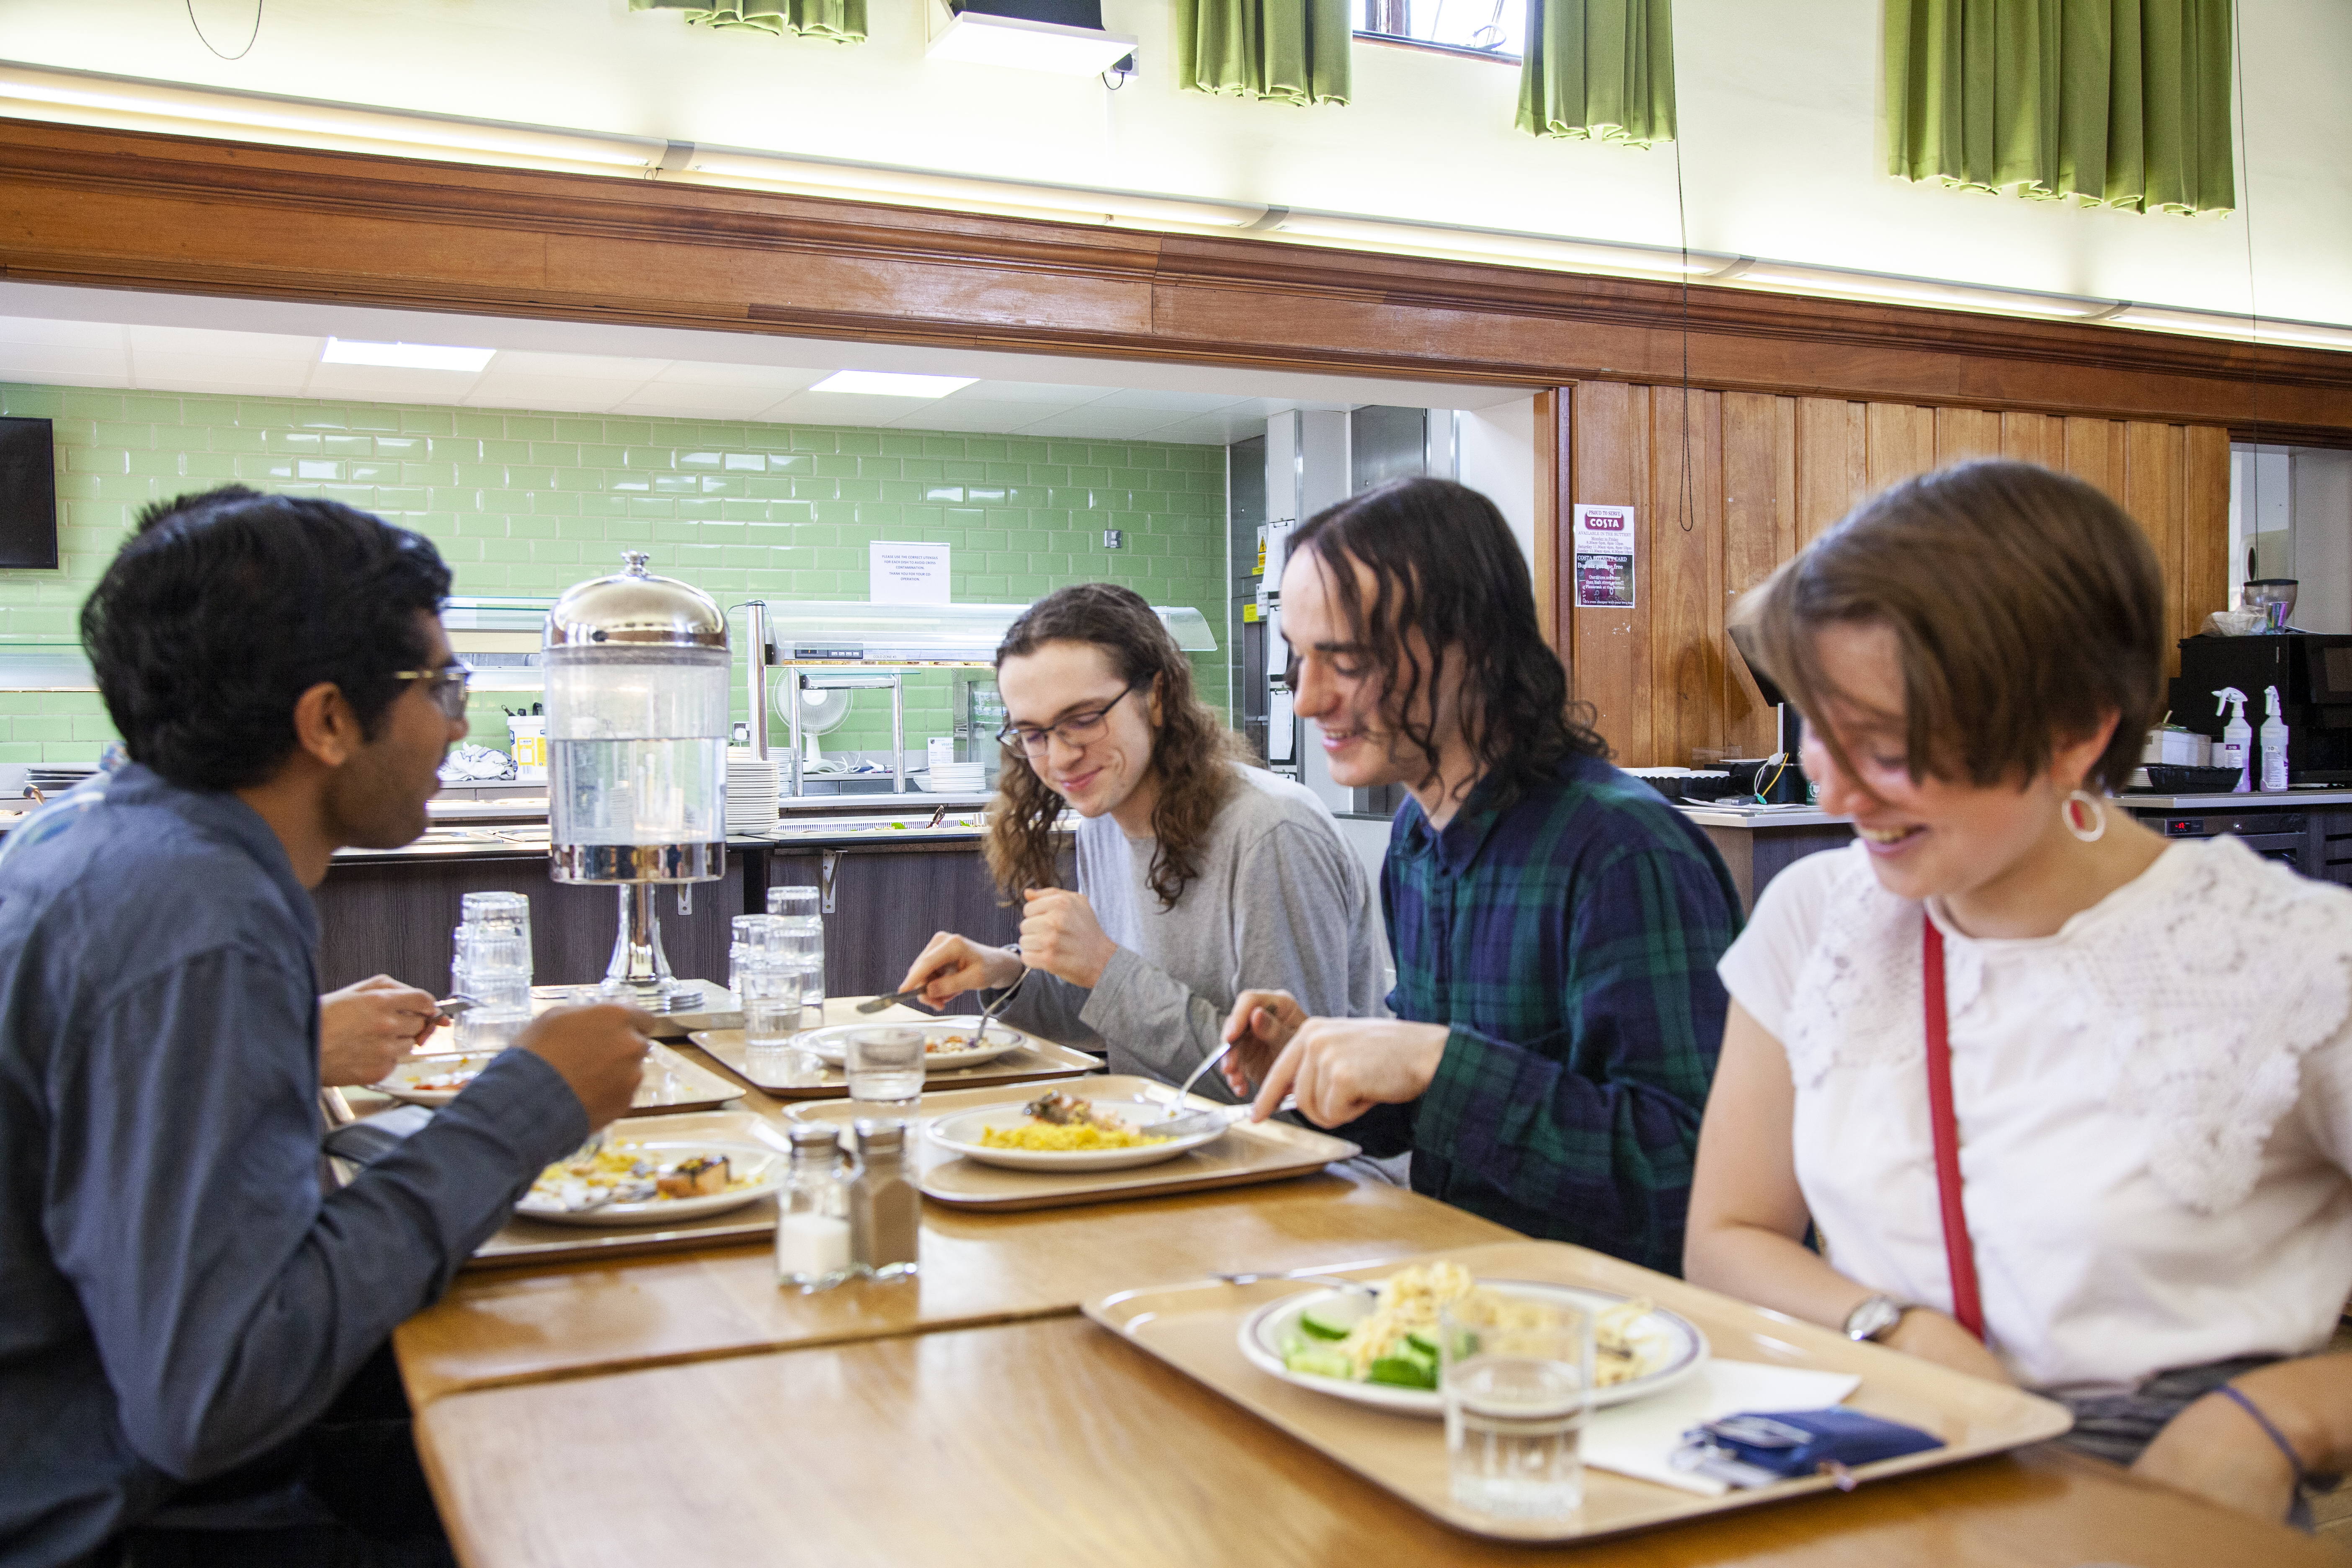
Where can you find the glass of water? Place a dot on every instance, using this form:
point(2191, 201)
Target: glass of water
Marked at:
point(1517, 1377)
point(802, 913)
point(884, 1068)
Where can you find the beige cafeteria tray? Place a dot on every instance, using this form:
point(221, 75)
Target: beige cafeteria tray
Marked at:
point(672, 1083)
point(1034, 1062)
point(1262, 1152)
point(1195, 1329)
point(535, 1241)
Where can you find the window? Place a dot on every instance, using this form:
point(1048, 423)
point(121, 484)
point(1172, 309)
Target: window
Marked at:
point(1494, 28)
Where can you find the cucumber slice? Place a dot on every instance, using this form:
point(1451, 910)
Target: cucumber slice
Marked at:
point(1426, 1344)
point(1405, 1372)
point(1319, 1360)
point(1324, 1322)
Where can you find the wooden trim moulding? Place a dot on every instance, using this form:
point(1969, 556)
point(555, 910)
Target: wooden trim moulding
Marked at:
point(104, 208)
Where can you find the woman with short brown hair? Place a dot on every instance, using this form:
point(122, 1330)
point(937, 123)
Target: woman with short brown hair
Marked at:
point(1199, 876)
point(2067, 1105)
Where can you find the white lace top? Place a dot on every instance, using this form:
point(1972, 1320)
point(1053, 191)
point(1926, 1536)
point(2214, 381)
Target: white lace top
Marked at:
point(2155, 1107)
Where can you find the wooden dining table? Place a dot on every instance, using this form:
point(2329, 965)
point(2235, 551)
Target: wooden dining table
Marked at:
point(681, 1408)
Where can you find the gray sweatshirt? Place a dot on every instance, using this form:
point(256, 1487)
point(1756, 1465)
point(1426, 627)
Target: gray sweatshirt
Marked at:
point(1280, 903)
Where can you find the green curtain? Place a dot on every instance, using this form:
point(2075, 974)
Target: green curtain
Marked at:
point(1293, 50)
point(843, 21)
point(2116, 102)
point(1599, 70)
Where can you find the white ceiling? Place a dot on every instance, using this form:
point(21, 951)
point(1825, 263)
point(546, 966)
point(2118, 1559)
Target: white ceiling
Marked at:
point(75, 337)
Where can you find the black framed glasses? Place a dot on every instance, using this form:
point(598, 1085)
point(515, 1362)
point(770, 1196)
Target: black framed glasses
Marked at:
point(445, 685)
point(1078, 731)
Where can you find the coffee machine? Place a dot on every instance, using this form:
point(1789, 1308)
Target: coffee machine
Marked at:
point(2313, 672)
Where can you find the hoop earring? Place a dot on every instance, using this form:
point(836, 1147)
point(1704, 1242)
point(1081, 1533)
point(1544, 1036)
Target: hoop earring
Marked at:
point(2089, 803)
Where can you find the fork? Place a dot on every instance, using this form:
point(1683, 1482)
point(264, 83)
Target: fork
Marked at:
point(1306, 1275)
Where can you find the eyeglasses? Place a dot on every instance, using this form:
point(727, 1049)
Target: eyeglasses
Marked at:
point(445, 685)
point(1078, 732)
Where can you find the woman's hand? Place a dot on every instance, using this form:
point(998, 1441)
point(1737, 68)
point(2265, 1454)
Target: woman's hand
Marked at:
point(365, 1030)
point(1932, 1336)
point(2214, 1451)
point(1341, 1067)
point(950, 965)
point(1060, 935)
point(1260, 1024)
point(2217, 1451)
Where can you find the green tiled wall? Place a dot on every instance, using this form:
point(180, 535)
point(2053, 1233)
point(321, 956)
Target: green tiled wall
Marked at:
point(531, 503)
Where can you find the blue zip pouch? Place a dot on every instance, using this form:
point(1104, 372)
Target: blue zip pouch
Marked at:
point(1756, 1449)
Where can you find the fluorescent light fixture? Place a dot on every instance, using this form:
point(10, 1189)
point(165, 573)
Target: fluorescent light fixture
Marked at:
point(978, 38)
point(1491, 245)
point(1920, 292)
point(892, 384)
point(2254, 329)
point(405, 356)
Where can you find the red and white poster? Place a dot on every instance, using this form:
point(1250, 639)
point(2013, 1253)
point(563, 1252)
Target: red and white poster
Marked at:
point(1603, 540)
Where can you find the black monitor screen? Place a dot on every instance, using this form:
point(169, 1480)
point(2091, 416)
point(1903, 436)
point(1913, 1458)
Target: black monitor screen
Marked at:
point(28, 493)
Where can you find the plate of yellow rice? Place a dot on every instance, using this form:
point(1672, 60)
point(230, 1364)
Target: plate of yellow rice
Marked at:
point(1118, 1139)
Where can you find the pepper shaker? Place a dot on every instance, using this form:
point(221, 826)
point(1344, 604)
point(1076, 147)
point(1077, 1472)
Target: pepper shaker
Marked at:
point(812, 1249)
point(884, 1210)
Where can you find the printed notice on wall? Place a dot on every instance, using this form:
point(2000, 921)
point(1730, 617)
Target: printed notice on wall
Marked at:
point(1603, 540)
point(906, 573)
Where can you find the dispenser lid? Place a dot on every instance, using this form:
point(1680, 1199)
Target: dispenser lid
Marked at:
point(634, 608)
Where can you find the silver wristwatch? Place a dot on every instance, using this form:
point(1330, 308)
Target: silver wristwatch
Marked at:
point(1874, 1318)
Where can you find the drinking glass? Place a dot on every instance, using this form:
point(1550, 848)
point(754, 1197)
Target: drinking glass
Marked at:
point(884, 1068)
point(490, 962)
point(803, 916)
point(1517, 1379)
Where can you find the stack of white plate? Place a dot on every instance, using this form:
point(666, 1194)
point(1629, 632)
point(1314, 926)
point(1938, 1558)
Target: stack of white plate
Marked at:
point(954, 778)
point(751, 792)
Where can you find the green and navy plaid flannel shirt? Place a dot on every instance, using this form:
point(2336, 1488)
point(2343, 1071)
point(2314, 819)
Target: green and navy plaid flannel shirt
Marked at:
point(1571, 942)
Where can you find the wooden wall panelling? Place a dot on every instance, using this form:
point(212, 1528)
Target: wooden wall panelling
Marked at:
point(1832, 463)
point(2204, 524)
point(2034, 438)
point(97, 208)
point(1686, 574)
point(1612, 662)
point(2152, 495)
point(1759, 531)
point(1964, 433)
point(1551, 430)
point(1899, 442)
point(2095, 452)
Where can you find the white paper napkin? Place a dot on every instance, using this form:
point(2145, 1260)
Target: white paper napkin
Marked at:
point(1636, 1440)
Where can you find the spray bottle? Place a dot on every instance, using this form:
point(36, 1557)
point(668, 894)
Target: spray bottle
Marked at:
point(2237, 737)
point(2273, 746)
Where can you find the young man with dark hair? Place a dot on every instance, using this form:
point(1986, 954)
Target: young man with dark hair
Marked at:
point(1555, 924)
point(191, 1329)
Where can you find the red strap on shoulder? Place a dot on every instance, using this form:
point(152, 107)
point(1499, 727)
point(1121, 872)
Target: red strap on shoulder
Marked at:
point(1959, 1255)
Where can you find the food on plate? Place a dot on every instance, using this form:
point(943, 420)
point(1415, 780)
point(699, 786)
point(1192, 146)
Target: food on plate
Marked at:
point(445, 1082)
point(1063, 1123)
point(1396, 1342)
point(947, 1042)
point(631, 1174)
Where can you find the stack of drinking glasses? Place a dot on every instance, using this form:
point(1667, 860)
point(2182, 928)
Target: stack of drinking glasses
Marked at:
point(491, 964)
point(803, 940)
point(767, 976)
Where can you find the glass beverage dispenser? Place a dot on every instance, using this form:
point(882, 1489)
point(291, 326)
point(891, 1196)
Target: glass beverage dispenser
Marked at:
point(637, 678)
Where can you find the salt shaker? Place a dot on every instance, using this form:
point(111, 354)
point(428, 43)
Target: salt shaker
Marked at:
point(813, 1251)
point(884, 1210)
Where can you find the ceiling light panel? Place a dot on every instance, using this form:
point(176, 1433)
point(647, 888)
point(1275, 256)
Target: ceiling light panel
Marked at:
point(891, 383)
point(405, 356)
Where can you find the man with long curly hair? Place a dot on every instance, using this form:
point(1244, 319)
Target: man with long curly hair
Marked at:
point(1556, 924)
point(1199, 876)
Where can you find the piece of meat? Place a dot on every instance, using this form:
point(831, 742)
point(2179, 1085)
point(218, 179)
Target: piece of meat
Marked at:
point(693, 1178)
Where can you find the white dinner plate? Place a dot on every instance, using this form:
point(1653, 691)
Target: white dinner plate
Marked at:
point(1664, 1334)
point(959, 1133)
point(764, 1167)
point(830, 1045)
point(405, 1078)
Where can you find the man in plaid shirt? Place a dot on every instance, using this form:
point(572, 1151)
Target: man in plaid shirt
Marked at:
point(1555, 924)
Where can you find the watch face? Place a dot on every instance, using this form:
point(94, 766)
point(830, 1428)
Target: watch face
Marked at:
point(1873, 1318)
